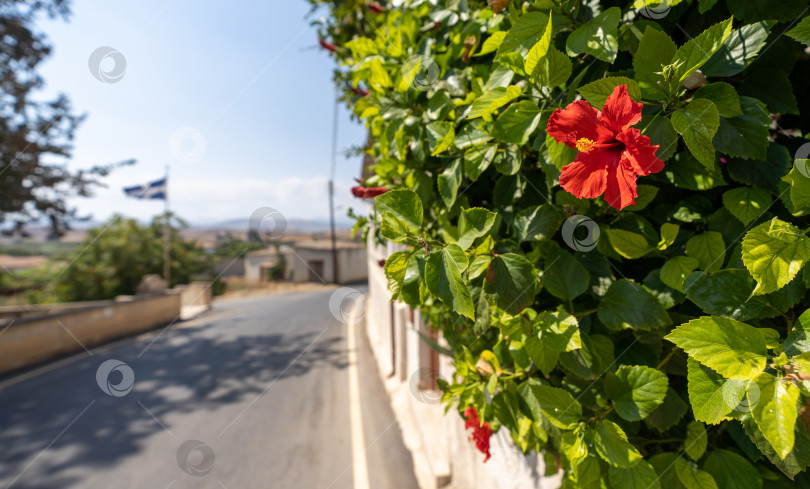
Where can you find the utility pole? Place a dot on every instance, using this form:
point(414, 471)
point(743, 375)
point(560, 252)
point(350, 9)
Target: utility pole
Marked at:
point(335, 269)
point(166, 232)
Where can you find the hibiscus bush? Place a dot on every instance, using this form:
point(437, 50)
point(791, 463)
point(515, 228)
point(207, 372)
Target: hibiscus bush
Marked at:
point(603, 207)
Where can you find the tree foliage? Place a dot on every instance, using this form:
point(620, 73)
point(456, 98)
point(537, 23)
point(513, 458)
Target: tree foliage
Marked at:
point(661, 345)
point(36, 135)
point(115, 256)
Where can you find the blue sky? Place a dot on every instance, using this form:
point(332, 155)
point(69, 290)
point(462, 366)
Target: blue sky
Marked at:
point(235, 97)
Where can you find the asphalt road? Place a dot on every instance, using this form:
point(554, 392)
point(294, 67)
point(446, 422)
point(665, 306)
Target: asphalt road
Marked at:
point(253, 394)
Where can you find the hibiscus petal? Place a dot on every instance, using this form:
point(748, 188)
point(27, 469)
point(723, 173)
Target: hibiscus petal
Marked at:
point(621, 185)
point(620, 111)
point(577, 121)
point(586, 177)
point(639, 153)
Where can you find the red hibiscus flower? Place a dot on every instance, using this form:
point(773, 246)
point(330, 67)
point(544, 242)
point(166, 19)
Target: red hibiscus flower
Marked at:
point(327, 45)
point(611, 153)
point(367, 192)
point(481, 431)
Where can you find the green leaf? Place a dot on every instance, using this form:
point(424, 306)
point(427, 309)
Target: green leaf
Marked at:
point(508, 161)
point(636, 390)
point(669, 413)
point(395, 267)
point(799, 186)
point(492, 43)
point(537, 223)
point(709, 249)
point(771, 86)
point(611, 444)
point(564, 276)
point(558, 406)
point(404, 205)
point(724, 293)
point(517, 123)
point(640, 476)
point(542, 354)
point(723, 96)
point(440, 136)
point(712, 397)
point(732, 471)
point(745, 136)
point(560, 153)
point(443, 273)
point(801, 32)
point(696, 440)
point(739, 50)
point(669, 233)
point(597, 37)
point(796, 461)
point(394, 229)
point(414, 291)
point(646, 194)
point(733, 349)
point(474, 223)
point(775, 412)
point(697, 51)
point(773, 253)
point(756, 10)
point(747, 203)
point(686, 172)
point(676, 269)
point(477, 159)
point(559, 330)
point(697, 123)
point(511, 278)
point(553, 70)
point(629, 244)
point(597, 92)
point(449, 181)
point(655, 51)
point(664, 465)
point(629, 305)
point(692, 478)
point(525, 32)
point(490, 101)
point(539, 50)
point(661, 132)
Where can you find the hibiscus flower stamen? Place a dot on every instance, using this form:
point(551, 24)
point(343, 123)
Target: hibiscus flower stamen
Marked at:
point(586, 145)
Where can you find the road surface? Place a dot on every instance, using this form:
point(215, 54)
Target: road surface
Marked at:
point(252, 394)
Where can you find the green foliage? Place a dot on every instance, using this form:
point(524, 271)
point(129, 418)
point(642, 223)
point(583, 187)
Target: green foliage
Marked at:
point(614, 337)
point(114, 257)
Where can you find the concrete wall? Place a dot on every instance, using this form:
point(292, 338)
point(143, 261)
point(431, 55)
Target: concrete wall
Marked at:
point(253, 263)
point(31, 340)
point(408, 363)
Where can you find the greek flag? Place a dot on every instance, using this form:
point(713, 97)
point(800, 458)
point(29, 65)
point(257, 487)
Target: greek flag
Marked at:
point(152, 190)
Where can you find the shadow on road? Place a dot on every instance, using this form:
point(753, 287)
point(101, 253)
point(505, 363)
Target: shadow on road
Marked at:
point(186, 370)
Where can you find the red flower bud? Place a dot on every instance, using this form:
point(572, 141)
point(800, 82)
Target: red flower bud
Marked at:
point(359, 91)
point(367, 192)
point(327, 45)
point(381, 263)
point(375, 8)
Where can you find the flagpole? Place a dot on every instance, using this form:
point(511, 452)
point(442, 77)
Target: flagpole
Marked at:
point(166, 231)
